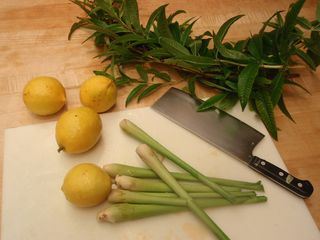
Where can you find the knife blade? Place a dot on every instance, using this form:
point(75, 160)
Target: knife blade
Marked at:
point(227, 133)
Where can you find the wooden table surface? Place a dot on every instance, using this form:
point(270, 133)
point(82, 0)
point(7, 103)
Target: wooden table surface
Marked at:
point(33, 42)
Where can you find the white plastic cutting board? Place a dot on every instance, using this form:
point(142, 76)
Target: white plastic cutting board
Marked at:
point(34, 208)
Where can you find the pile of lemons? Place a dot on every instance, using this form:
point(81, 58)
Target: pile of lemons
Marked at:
point(77, 131)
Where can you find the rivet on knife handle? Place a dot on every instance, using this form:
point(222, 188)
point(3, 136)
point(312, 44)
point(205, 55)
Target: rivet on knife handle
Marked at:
point(302, 188)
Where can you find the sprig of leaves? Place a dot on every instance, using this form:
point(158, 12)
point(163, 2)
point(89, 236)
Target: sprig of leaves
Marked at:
point(254, 70)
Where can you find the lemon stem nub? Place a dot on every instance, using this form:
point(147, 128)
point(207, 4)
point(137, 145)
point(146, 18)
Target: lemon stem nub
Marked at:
point(60, 149)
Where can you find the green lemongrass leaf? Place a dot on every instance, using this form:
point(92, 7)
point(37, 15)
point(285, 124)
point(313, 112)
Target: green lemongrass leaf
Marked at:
point(163, 25)
point(142, 72)
point(224, 29)
point(173, 15)
point(149, 90)
point(154, 15)
point(131, 13)
point(186, 33)
point(134, 92)
point(291, 16)
point(277, 87)
point(228, 102)
point(303, 22)
point(211, 102)
point(232, 85)
point(173, 47)
point(245, 82)
point(287, 81)
point(264, 107)
point(306, 58)
point(262, 81)
point(76, 26)
point(180, 64)
point(284, 110)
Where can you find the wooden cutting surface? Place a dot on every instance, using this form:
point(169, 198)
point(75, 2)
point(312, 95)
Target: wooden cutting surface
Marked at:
point(33, 42)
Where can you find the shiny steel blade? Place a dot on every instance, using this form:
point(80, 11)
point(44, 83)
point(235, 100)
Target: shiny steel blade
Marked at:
point(216, 127)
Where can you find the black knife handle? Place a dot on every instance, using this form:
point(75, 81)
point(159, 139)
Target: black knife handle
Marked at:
point(302, 188)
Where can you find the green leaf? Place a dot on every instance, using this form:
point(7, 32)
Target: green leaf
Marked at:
point(291, 16)
point(284, 110)
point(162, 75)
point(175, 31)
point(142, 72)
point(214, 85)
point(186, 33)
point(158, 53)
point(303, 22)
point(195, 46)
point(277, 87)
point(192, 86)
point(107, 7)
point(154, 15)
point(162, 24)
point(149, 90)
point(228, 102)
point(103, 73)
point(173, 15)
point(318, 11)
point(210, 103)
point(76, 26)
point(264, 107)
point(266, 23)
point(199, 60)
point(245, 82)
point(131, 13)
point(224, 29)
point(233, 54)
point(241, 45)
point(173, 47)
point(255, 46)
point(134, 92)
point(306, 58)
point(130, 37)
point(287, 81)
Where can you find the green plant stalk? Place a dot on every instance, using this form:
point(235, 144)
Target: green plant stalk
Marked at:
point(115, 169)
point(142, 136)
point(148, 156)
point(157, 185)
point(123, 196)
point(121, 212)
point(200, 194)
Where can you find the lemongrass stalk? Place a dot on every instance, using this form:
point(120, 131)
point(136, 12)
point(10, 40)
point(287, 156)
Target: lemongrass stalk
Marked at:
point(115, 169)
point(148, 156)
point(157, 185)
point(124, 196)
point(139, 134)
point(121, 212)
point(211, 195)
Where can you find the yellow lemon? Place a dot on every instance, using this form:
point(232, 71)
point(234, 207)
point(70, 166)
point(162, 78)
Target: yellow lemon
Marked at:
point(44, 95)
point(78, 130)
point(86, 185)
point(99, 93)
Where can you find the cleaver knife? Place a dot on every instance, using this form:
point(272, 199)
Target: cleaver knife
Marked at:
point(227, 133)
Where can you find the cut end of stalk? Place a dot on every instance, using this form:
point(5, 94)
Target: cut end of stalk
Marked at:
point(124, 123)
point(106, 216)
point(111, 169)
point(144, 150)
point(115, 195)
point(123, 182)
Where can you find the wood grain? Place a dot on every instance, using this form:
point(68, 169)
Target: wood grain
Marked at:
point(33, 42)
